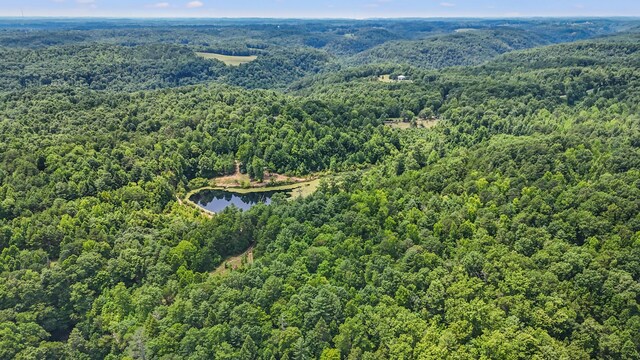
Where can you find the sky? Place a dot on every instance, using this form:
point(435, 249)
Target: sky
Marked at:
point(318, 8)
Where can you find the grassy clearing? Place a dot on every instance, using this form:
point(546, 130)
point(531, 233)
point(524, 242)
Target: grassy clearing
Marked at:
point(305, 189)
point(228, 59)
point(307, 186)
point(398, 125)
point(385, 78)
point(235, 262)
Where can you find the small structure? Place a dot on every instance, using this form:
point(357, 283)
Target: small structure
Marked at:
point(402, 78)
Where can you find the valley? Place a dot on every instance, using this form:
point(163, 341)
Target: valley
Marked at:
point(445, 188)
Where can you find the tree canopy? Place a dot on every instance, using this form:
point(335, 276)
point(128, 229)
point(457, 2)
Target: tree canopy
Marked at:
point(509, 230)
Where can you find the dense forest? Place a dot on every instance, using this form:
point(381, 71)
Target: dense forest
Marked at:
point(468, 47)
point(148, 66)
point(121, 55)
point(509, 230)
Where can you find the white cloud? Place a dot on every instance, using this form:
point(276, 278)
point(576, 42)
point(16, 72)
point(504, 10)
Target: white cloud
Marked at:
point(195, 4)
point(447, 4)
point(85, 2)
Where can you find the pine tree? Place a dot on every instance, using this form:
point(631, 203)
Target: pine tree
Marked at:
point(319, 337)
point(300, 350)
point(249, 350)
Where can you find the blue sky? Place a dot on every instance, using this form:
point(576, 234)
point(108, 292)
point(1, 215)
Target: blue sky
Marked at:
point(319, 8)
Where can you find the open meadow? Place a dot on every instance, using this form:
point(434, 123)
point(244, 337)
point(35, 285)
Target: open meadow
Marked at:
point(229, 60)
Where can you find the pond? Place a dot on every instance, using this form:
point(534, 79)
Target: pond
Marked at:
point(217, 200)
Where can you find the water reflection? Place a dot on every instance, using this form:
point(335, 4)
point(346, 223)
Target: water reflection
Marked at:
point(218, 200)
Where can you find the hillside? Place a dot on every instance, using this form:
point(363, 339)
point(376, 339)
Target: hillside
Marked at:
point(508, 230)
point(465, 48)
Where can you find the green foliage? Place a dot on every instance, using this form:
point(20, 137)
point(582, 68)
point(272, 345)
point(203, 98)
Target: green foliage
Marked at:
point(465, 48)
point(509, 230)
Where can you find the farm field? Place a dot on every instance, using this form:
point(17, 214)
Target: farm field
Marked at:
point(228, 60)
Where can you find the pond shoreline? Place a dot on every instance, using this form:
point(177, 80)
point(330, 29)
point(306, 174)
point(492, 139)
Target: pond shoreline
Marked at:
point(308, 186)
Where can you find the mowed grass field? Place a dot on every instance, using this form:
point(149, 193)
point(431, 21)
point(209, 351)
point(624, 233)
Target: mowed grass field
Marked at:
point(421, 123)
point(228, 59)
point(301, 189)
point(388, 79)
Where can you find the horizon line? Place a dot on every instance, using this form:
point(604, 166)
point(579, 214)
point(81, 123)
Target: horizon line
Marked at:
point(13, 17)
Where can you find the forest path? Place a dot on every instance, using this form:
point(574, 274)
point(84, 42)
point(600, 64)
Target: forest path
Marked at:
point(187, 202)
point(234, 262)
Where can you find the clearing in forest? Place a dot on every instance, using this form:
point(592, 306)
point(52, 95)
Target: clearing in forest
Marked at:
point(241, 184)
point(240, 180)
point(235, 262)
point(228, 59)
point(388, 79)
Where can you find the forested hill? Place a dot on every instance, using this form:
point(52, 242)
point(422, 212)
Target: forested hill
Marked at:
point(472, 47)
point(335, 36)
point(69, 144)
point(469, 47)
point(587, 65)
point(149, 66)
point(123, 55)
point(509, 230)
point(621, 49)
